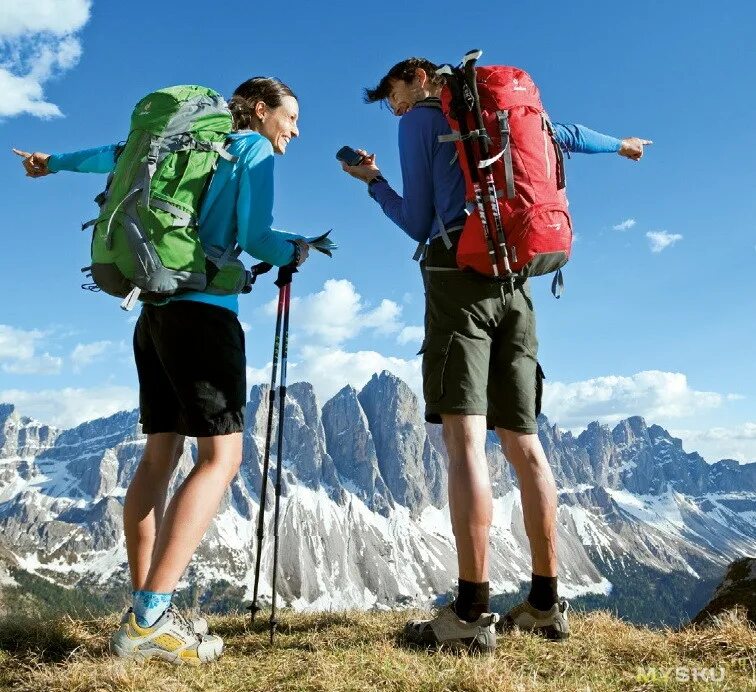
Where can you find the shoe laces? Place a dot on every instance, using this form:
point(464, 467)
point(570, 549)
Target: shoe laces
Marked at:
point(183, 624)
point(437, 610)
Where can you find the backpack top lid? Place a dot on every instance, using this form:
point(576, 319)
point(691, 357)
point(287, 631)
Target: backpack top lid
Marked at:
point(499, 87)
point(184, 108)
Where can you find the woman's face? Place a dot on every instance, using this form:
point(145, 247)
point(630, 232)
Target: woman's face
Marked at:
point(279, 124)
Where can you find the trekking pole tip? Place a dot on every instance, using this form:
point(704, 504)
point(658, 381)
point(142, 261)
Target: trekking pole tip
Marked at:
point(254, 609)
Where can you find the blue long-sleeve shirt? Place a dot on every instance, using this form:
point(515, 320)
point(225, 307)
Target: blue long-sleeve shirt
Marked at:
point(432, 180)
point(238, 206)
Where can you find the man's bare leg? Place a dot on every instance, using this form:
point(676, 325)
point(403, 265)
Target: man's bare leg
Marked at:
point(470, 505)
point(539, 507)
point(539, 496)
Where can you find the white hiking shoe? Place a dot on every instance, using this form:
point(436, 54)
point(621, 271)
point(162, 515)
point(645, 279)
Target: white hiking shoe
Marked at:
point(172, 638)
point(446, 630)
point(552, 623)
point(199, 624)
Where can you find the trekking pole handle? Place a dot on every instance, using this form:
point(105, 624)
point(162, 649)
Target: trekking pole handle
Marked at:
point(284, 275)
point(471, 56)
point(472, 83)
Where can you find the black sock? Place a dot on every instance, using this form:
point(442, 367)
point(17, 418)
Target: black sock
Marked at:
point(543, 592)
point(472, 600)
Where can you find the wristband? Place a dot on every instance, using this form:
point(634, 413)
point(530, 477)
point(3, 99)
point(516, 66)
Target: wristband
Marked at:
point(297, 254)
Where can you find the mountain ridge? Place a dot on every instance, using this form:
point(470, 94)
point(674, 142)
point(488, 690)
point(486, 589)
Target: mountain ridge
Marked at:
point(364, 505)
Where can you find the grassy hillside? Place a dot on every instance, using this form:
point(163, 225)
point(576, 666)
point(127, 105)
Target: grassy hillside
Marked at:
point(360, 651)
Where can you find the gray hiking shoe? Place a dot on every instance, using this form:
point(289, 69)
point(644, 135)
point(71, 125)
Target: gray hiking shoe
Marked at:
point(446, 630)
point(199, 624)
point(172, 638)
point(551, 623)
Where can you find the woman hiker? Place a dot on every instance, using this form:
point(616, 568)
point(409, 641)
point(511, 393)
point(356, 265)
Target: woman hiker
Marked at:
point(190, 362)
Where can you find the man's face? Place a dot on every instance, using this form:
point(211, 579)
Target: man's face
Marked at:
point(403, 96)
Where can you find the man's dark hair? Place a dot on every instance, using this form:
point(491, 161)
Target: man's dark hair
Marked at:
point(404, 70)
point(269, 90)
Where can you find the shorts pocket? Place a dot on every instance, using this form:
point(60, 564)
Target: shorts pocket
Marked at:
point(540, 377)
point(435, 352)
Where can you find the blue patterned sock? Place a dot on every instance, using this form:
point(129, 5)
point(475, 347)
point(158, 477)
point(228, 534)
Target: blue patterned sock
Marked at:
point(149, 606)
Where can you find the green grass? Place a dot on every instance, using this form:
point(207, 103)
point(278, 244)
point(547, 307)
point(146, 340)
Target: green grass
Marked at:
point(361, 651)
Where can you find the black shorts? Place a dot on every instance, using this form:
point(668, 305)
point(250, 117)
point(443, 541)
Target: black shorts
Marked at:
point(192, 369)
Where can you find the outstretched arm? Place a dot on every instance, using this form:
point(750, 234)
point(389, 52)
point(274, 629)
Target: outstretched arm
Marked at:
point(580, 139)
point(97, 160)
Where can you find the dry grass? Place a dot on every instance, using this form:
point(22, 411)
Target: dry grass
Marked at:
point(360, 651)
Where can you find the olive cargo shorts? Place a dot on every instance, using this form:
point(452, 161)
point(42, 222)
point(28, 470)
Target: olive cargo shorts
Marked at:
point(480, 348)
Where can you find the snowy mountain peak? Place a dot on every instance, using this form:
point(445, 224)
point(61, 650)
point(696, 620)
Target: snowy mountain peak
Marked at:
point(364, 501)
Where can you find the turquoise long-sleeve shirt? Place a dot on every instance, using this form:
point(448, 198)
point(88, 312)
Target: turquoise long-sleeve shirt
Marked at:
point(238, 205)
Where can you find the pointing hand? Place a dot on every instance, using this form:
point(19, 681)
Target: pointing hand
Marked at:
point(632, 148)
point(35, 164)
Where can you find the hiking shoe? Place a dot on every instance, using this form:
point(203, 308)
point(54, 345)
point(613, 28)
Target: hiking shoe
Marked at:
point(172, 638)
point(199, 624)
point(445, 629)
point(551, 623)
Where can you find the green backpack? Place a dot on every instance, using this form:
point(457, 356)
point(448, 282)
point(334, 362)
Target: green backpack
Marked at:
point(145, 243)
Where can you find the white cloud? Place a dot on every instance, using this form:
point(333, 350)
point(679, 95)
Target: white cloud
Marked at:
point(42, 364)
point(18, 344)
point(660, 240)
point(331, 317)
point(19, 352)
point(84, 354)
point(338, 313)
point(258, 375)
point(59, 17)
point(722, 443)
point(384, 319)
point(655, 395)
point(411, 334)
point(37, 42)
point(68, 407)
point(329, 370)
point(245, 326)
point(625, 225)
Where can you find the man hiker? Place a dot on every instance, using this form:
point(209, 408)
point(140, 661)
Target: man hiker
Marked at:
point(480, 364)
point(190, 360)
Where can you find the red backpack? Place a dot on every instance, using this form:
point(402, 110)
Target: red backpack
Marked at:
point(514, 173)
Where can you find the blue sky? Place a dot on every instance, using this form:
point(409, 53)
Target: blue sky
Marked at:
point(666, 334)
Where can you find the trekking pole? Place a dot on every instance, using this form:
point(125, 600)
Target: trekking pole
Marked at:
point(254, 608)
point(453, 77)
point(284, 284)
point(468, 67)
